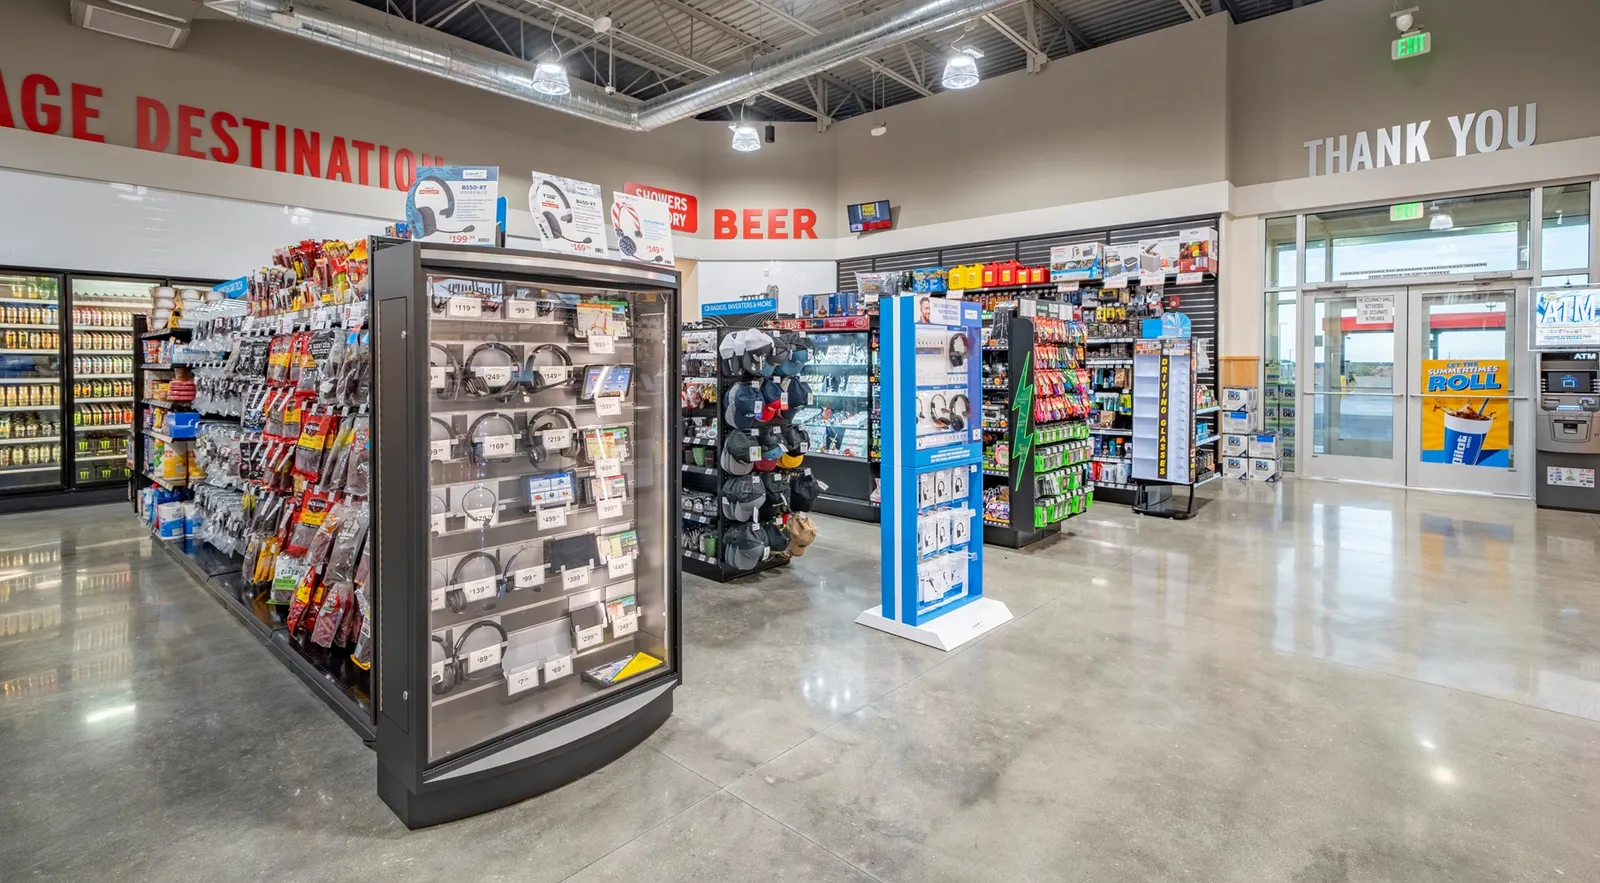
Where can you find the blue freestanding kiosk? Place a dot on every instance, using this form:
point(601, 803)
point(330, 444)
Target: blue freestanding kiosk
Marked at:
point(932, 583)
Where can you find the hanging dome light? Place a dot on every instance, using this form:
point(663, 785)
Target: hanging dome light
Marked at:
point(745, 138)
point(550, 78)
point(961, 70)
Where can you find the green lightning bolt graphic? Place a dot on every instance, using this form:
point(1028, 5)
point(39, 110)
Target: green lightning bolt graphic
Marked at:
point(1022, 420)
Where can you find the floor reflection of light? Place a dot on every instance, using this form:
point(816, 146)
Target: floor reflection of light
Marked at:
point(1444, 775)
point(106, 714)
point(1425, 742)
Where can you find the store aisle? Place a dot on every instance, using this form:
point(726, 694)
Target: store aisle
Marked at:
point(1311, 682)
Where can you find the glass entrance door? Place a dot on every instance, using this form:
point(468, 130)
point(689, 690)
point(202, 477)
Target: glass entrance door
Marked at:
point(1352, 368)
point(1469, 412)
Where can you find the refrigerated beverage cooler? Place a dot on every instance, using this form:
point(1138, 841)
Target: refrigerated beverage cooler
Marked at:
point(66, 385)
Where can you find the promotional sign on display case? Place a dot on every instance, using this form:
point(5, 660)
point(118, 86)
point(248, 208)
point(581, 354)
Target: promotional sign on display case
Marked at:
point(569, 214)
point(643, 227)
point(932, 494)
point(455, 204)
point(1566, 318)
point(1466, 412)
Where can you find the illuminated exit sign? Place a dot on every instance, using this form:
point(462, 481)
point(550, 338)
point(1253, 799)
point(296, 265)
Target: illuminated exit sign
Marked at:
point(1405, 211)
point(1411, 45)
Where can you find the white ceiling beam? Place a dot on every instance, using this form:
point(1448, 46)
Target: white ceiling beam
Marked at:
point(1076, 41)
point(809, 30)
point(1036, 56)
point(1195, 9)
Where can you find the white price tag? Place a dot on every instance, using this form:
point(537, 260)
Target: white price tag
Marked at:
point(483, 516)
point(601, 343)
point(438, 599)
point(438, 671)
point(498, 445)
point(551, 374)
point(464, 308)
point(1117, 281)
point(494, 375)
point(557, 668)
point(436, 523)
point(553, 517)
point(356, 313)
point(575, 577)
point(526, 679)
point(522, 310)
point(610, 509)
point(488, 657)
point(478, 589)
point(608, 406)
point(556, 439)
point(528, 577)
point(1066, 287)
point(625, 625)
point(439, 450)
point(1152, 280)
point(1191, 278)
point(606, 467)
point(591, 638)
point(438, 378)
point(620, 566)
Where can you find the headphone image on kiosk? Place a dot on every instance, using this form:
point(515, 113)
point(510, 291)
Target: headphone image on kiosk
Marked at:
point(958, 349)
point(629, 245)
point(550, 222)
point(427, 215)
point(960, 411)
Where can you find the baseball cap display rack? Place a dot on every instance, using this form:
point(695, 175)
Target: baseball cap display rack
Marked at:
point(702, 464)
point(851, 473)
point(1035, 466)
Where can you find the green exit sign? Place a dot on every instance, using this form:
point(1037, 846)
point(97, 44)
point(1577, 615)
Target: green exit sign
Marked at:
point(1411, 45)
point(1405, 211)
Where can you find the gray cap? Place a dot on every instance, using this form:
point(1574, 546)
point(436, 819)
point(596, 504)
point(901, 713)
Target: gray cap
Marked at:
point(744, 546)
point(742, 498)
point(738, 451)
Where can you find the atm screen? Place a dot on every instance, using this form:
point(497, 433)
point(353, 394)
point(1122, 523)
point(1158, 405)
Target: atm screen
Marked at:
point(1568, 382)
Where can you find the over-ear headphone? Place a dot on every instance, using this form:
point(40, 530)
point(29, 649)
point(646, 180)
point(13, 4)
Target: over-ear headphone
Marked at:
point(939, 409)
point(474, 385)
point(455, 669)
point(535, 380)
point(958, 350)
point(452, 372)
point(550, 418)
point(448, 430)
point(448, 681)
point(430, 224)
point(549, 222)
point(456, 600)
point(472, 431)
point(509, 574)
point(959, 415)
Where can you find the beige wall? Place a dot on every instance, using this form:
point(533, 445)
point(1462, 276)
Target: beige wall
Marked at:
point(1324, 70)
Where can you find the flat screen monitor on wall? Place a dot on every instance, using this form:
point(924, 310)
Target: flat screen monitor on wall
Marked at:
point(1566, 318)
point(870, 216)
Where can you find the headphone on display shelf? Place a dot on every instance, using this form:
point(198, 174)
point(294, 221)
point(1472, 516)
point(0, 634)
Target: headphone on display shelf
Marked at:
point(476, 446)
point(551, 418)
point(474, 385)
point(535, 380)
point(958, 349)
point(449, 432)
point(550, 222)
point(455, 600)
point(939, 409)
point(455, 669)
point(429, 216)
point(959, 415)
point(452, 372)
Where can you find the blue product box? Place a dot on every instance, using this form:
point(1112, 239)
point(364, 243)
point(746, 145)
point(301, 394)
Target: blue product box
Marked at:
point(183, 424)
point(806, 302)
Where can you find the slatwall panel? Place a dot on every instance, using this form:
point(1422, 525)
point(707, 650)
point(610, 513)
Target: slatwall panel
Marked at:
point(984, 253)
point(848, 270)
point(1037, 251)
point(909, 260)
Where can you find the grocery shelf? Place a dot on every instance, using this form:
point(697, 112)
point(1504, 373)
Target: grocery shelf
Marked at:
point(105, 428)
point(92, 401)
point(13, 409)
point(82, 458)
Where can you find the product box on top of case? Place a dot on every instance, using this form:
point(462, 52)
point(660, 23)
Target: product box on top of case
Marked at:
point(1235, 467)
point(1083, 260)
point(1238, 421)
point(1197, 250)
point(1264, 468)
point(1158, 255)
point(1237, 398)
point(1235, 445)
point(1265, 445)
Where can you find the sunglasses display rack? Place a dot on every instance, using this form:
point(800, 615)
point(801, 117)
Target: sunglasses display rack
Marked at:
point(746, 459)
point(269, 424)
point(525, 424)
point(844, 422)
point(1036, 436)
point(1176, 442)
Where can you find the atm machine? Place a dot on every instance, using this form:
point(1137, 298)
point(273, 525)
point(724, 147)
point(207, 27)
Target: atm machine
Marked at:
point(1569, 431)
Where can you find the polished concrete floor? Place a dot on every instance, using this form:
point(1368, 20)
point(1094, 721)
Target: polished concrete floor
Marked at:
point(1307, 683)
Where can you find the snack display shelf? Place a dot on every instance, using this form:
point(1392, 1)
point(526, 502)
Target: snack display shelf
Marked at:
point(22, 441)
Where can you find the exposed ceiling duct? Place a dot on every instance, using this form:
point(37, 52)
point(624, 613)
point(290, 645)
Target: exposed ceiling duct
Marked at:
point(494, 72)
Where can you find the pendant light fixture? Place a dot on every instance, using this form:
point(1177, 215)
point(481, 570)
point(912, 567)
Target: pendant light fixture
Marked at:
point(550, 78)
point(961, 69)
point(745, 137)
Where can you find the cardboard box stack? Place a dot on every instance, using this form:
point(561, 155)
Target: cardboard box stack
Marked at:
point(1247, 451)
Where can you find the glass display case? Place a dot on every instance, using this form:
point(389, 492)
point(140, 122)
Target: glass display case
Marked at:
point(526, 472)
point(31, 403)
point(102, 378)
point(840, 421)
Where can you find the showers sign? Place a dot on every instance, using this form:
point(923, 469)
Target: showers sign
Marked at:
point(1483, 131)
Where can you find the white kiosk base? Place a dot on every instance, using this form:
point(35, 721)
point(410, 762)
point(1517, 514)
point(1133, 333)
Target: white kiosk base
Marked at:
point(948, 631)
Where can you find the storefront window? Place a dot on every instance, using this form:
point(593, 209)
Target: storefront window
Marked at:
point(1565, 230)
point(1280, 255)
point(1474, 234)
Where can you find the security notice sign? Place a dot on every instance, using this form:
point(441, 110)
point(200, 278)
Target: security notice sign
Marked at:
point(643, 227)
point(1375, 309)
point(455, 204)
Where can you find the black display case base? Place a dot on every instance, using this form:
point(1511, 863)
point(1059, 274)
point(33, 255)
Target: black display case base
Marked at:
point(59, 498)
point(329, 679)
point(1156, 500)
point(479, 784)
point(715, 569)
point(1014, 538)
point(847, 507)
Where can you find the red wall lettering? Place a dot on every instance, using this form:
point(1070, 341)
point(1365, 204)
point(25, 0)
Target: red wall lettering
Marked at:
point(256, 127)
point(155, 127)
point(308, 153)
point(50, 122)
point(363, 148)
point(746, 224)
point(221, 123)
point(82, 113)
point(683, 209)
point(405, 167)
point(188, 131)
point(338, 161)
point(5, 106)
